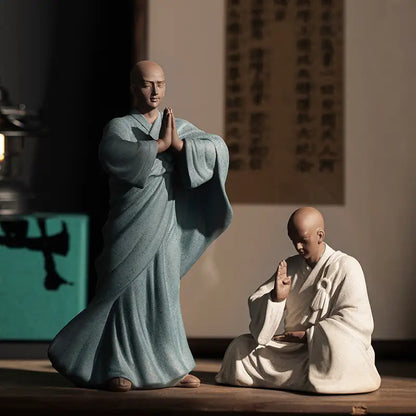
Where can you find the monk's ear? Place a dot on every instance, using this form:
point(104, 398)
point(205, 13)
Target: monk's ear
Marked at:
point(321, 235)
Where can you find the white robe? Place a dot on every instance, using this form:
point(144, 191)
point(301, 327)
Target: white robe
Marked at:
point(330, 303)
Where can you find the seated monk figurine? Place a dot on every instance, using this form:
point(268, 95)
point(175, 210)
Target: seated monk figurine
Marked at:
point(311, 322)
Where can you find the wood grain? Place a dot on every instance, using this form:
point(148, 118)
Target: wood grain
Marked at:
point(33, 387)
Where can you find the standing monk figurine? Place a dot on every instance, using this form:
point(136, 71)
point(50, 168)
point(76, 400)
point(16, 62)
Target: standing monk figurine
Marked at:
point(167, 204)
point(311, 322)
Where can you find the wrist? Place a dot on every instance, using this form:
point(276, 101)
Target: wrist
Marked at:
point(275, 298)
point(177, 146)
point(161, 146)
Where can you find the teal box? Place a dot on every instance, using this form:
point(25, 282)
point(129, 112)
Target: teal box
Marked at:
point(43, 274)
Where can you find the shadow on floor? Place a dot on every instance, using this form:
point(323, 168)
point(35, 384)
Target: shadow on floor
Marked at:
point(206, 377)
point(29, 378)
point(405, 369)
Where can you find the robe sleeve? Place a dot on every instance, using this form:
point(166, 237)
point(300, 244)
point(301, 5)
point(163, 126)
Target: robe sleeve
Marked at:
point(340, 353)
point(200, 162)
point(124, 157)
point(265, 314)
point(203, 211)
point(203, 151)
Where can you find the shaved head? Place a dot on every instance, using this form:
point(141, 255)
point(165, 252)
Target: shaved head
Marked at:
point(306, 229)
point(308, 217)
point(146, 70)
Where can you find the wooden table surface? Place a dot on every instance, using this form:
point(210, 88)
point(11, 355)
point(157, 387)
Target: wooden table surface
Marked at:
point(33, 387)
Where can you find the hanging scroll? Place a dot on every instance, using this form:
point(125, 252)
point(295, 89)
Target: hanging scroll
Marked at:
point(284, 101)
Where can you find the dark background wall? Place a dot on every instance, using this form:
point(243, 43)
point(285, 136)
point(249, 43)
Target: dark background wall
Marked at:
point(70, 60)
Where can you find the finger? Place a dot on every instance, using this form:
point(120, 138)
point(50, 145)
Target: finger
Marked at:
point(285, 338)
point(165, 116)
point(281, 270)
point(173, 115)
point(169, 122)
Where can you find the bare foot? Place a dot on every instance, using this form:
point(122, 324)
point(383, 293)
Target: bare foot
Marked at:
point(189, 381)
point(119, 384)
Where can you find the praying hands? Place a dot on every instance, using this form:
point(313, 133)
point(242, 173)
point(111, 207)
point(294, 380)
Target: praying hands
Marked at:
point(169, 138)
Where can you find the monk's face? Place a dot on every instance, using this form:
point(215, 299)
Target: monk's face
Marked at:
point(149, 86)
point(308, 241)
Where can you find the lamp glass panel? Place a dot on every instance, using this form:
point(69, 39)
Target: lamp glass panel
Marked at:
point(2, 147)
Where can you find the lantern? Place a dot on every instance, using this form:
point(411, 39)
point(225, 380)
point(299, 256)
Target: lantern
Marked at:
point(17, 124)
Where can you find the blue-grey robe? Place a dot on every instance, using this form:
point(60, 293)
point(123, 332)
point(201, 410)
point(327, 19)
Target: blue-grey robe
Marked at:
point(164, 212)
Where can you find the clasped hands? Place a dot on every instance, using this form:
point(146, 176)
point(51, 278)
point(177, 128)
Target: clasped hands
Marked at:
point(279, 293)
point(169, 138)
